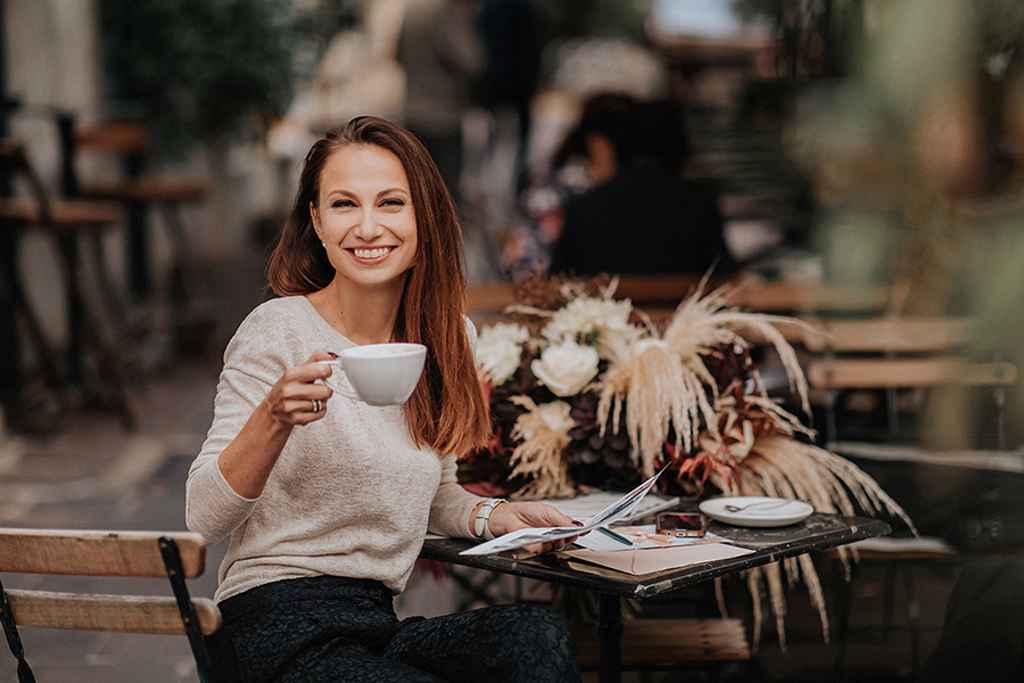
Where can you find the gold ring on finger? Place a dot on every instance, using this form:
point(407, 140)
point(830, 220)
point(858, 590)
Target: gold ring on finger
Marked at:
point(316, 405)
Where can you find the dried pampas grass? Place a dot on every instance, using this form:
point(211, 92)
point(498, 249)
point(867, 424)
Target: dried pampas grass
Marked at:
point(665, 382)
point(704, 322)
point(659, 392)
point(544, 434)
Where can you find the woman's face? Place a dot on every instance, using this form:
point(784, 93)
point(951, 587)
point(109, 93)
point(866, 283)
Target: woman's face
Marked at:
point(364, 215)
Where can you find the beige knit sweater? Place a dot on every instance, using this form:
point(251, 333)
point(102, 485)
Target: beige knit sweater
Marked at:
point(350, 495)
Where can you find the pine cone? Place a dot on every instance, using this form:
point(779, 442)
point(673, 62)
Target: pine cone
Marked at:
point(595, 460)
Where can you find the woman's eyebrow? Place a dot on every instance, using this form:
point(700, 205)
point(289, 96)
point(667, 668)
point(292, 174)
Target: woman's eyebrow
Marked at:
point(341, 191)
point(390, 190)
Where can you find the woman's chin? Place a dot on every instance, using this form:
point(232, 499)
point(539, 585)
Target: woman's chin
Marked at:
point(372, 277)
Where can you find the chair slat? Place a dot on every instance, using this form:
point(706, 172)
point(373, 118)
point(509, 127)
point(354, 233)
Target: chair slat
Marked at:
point(900, 335)
point(670, 290)
point(114, 138)
point(96, 553)
point(489, 297)
point(785, 296)
point(656, 289)
point(120, 613)
point(871, 374)
point(667, 642)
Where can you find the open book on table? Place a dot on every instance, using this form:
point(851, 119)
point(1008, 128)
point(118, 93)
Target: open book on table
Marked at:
point(619, 509)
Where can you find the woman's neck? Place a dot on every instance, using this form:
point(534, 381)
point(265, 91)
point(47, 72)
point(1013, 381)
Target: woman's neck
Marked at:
point(365, 315)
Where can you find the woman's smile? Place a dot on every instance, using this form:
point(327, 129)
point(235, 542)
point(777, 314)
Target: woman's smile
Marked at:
point(370, 256)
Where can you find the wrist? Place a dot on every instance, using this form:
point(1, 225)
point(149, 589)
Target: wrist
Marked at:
point(481, 519)
point(277, 428)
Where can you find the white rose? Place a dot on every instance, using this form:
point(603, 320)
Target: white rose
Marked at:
point(499, 349)
point(566, 368)
point(606, 318)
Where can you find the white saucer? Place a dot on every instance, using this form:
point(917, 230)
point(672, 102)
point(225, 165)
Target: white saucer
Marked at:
point(770, 512)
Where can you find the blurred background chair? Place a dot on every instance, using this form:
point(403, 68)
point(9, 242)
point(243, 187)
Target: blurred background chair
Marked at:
point(67, 224)
point(889, 358)
point(140, 193)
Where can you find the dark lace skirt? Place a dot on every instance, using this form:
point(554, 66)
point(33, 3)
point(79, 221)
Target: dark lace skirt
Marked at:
point(334, 629)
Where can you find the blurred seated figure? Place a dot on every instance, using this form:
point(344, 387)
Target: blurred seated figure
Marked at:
point(640, 215)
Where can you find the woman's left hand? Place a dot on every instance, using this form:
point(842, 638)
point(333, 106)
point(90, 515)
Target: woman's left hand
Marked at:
point(511, 516)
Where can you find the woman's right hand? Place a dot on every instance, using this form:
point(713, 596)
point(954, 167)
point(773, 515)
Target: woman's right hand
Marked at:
point(290, 401)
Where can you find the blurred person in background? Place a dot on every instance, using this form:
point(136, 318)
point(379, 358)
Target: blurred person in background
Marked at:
point(640, 216)
point(440, 49)
point(511, 34)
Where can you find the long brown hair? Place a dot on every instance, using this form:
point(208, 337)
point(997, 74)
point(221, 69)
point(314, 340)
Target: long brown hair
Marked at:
point(447, 410)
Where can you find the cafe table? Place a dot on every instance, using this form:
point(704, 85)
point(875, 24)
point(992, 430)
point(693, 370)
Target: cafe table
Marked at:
point(817, 532)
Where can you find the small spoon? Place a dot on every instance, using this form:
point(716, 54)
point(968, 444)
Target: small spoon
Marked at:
point(771, 505)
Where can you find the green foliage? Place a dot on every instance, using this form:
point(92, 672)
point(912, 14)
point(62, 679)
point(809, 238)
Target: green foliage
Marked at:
point(198, 69)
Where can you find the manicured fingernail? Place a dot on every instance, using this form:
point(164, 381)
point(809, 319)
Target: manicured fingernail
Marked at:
point(577, 523)
point(332, 354)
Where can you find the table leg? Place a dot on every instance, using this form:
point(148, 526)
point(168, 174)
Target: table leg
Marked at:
point(844, 591)
point(609, 635)
point(67, 245)
point(139, 277)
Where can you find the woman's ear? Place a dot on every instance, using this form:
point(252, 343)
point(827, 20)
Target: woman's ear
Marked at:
point(314, 216)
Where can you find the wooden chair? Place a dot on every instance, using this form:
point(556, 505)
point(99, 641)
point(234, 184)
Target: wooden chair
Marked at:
point(176, 555)
point(908, 354)
point(893, 374)
point(67, 223)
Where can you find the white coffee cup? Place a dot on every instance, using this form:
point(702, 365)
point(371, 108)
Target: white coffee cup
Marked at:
point(380, 374)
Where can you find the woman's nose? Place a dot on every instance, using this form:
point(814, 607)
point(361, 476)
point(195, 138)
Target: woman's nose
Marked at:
point(368, 228)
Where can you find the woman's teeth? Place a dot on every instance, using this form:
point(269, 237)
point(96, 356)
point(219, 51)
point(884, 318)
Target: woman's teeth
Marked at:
point(372, 253)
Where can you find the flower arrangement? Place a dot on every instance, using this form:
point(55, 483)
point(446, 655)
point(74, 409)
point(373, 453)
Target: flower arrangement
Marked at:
point(587, 391)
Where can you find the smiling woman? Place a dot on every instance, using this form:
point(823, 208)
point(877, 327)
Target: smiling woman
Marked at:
point(326, 499)
point(367, 189)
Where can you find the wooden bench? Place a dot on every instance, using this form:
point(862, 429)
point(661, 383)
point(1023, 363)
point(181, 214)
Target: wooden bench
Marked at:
point(176, 555)
point(669, 643)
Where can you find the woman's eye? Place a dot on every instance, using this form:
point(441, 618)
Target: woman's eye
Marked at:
point(392, 202)
point(342, 203)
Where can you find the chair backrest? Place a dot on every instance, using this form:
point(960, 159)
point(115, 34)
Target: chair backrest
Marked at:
point(887, 335)
point(869, 373)
point(792, 297)
point(894, 354)
point(176, 555)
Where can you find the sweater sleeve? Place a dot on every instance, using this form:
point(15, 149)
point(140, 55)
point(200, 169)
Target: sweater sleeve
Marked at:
point(449, 511)
point(253, 362)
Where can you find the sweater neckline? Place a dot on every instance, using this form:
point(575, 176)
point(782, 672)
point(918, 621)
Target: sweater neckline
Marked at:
point(320, 321)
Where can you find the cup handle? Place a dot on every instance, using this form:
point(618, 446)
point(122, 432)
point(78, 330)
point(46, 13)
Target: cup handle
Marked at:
point(337, 389)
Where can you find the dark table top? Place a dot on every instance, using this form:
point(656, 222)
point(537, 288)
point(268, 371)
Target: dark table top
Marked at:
point(817, 532)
